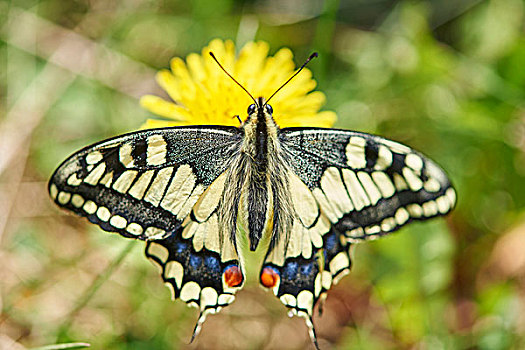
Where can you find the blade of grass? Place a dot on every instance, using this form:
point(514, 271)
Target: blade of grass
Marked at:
point(63, 346)
point(92, 289)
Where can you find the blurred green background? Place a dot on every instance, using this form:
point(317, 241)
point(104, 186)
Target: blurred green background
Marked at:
point(445, 77)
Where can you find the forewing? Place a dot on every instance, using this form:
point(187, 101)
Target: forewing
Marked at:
point(163, 186)
point(143, 184)
point(366, 185)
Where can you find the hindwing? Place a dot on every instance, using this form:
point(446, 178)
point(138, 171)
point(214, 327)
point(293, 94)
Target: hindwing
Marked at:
point(163, 186)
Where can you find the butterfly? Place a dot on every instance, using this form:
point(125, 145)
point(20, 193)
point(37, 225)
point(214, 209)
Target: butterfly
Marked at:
point(197, 194)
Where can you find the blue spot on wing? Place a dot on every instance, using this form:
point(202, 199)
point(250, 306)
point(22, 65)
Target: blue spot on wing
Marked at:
point(290, 270)
point(195, 261)
point(180, 247)
point(306, 269)
point(331, 242)
point(212, 263)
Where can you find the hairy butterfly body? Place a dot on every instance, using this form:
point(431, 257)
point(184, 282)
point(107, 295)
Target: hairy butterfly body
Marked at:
point(192, 193)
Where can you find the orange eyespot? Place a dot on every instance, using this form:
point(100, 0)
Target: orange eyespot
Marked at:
point(233, 276)
point(269, 277)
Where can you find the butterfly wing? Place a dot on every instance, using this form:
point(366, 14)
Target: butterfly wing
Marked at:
point(366, 185)
point(163, 186)
point(345, 187)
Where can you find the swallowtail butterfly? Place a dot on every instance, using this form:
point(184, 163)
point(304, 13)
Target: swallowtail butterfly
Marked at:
point(193, 193)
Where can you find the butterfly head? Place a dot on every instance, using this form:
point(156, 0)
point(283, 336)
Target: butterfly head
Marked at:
point(260, 108)
point(259, 112)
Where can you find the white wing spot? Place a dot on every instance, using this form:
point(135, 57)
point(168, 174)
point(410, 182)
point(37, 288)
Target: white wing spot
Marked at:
point(415, 210)
point(332, 212)
point(94, 157)
point(372, 230)
point(118, 221)
point(158, 186)
point(326, 280)
point(414, 182)
point(317, 284)
point(190, 291)
point(356, 233)
point(198, 237)
point(305, 300)
point(414, 161)
point(95, 175)
point(107, 180)
point(154, 233)
point(339, 262)
point(369, 186)
point(212, 238)
point(432, 185)
point(140, 186)
point(443, 204)
point(124, 181)
point(179, 190)
point(190, 229)
point(209, 297)
point(396, 147)
point(210, 199)
point(384, 184)
point(288, 300)
point(125, 155)
point(355, 152)
point(64, 197)
point(384, 158)
point(103, 214)
point(73, 180)
point(134, 229)
point(159, 251)
point(356, 191)
point(401, 216)
point(303, 201)
point(451, 195)
point(174, 270)
point(77, 200)
point(90, 207)
point(388, 224)
point(430, 208)
point(225, 299)
point(335, 191)
point(399, 182)
point(156, 151)
point(190, 202)
point(53, 191)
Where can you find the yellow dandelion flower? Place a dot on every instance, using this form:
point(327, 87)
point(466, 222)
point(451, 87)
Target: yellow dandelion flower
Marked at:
point(203, 95)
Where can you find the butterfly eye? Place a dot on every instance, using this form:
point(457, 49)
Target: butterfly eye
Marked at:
point(269, 109)
point(252, 108)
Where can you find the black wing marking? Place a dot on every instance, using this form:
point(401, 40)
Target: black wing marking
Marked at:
point(163, 186)
point(367, 186)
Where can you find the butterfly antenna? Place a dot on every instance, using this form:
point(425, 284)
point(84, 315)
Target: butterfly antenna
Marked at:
point(312, 56)
point(228, 74)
